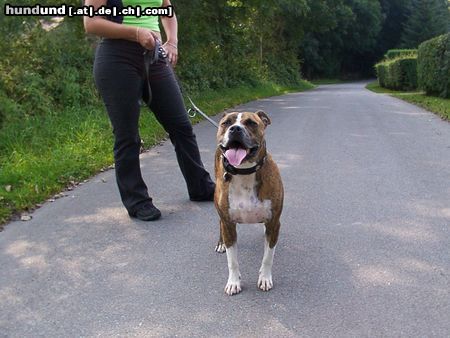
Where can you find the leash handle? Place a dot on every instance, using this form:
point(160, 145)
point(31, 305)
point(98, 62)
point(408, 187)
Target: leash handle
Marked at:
point(152, 56)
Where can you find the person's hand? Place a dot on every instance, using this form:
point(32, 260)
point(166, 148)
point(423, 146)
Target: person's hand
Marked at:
point(145, 37)
point(172, 52)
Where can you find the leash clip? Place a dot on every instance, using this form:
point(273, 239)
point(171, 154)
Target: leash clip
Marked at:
point(196, 110)
point(192, 113)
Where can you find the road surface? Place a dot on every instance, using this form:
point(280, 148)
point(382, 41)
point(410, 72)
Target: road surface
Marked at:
point(364, 247)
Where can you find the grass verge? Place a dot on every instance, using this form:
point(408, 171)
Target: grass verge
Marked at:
point(434, 104)
point(40, 156)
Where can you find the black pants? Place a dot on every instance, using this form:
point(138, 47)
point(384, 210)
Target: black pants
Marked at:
point(120, 78)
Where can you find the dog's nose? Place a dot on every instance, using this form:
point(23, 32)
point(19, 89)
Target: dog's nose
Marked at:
point(235, 129)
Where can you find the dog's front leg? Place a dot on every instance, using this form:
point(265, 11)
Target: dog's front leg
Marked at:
point(265, 282)
point(220, 247)
point(234, 277)
point(229, 237)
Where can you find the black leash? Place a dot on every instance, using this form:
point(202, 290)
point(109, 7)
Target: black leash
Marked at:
point(153, 56)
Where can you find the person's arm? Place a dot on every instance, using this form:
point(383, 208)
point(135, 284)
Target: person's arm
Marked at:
point(171, 28)
point(101, 27)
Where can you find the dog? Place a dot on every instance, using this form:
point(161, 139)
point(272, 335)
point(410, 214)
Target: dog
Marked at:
point(248, 190)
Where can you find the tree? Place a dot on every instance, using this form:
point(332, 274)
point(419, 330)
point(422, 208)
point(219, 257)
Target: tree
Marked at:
point(395, 13)
point(340, 37)
point(361, 38)
point(427, 19)
point(322, 46)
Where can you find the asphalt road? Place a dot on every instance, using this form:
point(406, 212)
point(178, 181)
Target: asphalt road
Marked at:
point(364, 247)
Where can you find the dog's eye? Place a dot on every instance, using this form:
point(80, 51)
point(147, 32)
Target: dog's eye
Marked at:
point(250, 123)
point(226, 123)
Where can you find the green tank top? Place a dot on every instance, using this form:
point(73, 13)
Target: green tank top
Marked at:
point(145, 21)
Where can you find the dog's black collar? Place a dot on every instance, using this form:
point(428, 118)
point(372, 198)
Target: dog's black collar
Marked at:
point(241, 171)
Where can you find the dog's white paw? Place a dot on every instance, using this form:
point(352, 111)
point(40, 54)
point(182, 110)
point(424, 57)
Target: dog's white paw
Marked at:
point(265, 282)
point(233, 287)
point(220, 248)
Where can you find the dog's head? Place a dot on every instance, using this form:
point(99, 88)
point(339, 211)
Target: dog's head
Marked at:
point(241, 136)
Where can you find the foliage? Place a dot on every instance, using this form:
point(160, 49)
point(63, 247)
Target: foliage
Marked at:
point(427, 19)
point(399, 73)
point(382, 74)
point(434, 66)
point(43, 72)
point(395, 14)
point(229, 43)
point(395, 53)
point(339, 37)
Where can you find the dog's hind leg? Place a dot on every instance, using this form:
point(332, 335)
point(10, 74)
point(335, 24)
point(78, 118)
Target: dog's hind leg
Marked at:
point(265, 282)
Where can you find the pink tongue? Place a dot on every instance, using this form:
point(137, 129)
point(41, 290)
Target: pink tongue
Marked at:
point(235, 156)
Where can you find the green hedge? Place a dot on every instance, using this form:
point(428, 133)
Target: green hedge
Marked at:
point(398, 74)
point(382, 73)
point(396, 53)
point(434, 66)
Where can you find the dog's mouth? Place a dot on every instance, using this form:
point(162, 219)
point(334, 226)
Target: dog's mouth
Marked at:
point(236, 152)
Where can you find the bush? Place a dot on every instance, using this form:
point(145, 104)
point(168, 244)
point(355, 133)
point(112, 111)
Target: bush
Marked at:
point(404, 73)
point(434, 66)
point(44, 72)
point(382, 73)
point(396, 53)
point(398, 74)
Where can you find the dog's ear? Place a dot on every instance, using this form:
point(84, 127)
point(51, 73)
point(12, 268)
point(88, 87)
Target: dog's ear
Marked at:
point(263, 116)
point(226, 113)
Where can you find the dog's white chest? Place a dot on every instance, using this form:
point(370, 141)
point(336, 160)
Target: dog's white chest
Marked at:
point(245, 207)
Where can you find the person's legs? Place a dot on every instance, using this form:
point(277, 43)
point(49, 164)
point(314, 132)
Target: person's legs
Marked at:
point(168, 107)
point(119, 81)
